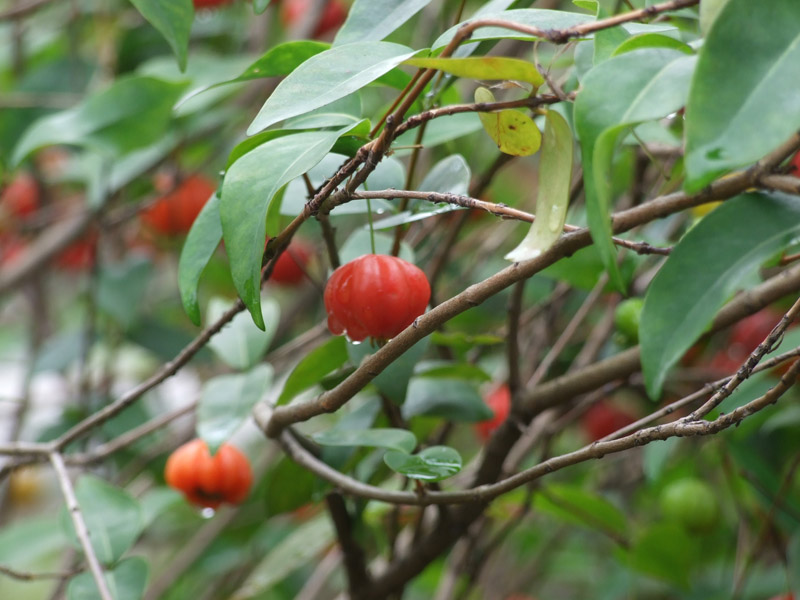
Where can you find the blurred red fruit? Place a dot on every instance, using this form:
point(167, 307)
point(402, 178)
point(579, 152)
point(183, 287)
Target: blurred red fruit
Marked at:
point(499, 400)
point(290, 267)
point(603, 419)
point(333, 15)
point(174, 213)
point(210, 3)
point(745, 337)
point(21, 197)
point(794, 165)
point(78, 256)
point(11, 247)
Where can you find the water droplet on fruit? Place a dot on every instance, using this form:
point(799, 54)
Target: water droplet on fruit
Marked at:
point(354, 342)
point(207, 513)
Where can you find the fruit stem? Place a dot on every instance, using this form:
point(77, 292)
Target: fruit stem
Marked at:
point(371, 228)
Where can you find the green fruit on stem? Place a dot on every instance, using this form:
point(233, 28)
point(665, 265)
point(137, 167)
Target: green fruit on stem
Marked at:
point(627, 317)
point(691, 503)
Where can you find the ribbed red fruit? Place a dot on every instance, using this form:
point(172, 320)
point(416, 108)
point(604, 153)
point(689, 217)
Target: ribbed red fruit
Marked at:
point(375, 296)
point(208, 480)
point(290, 267)
point(499, 400)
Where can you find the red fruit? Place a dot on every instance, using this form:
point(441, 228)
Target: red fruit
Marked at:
point(290, 267)
point(210, 3)
point(174, 213)
point(11, 247)
point(375, 296)
point(499, 400)
point(783, 597)
point(208, 480)
point(333, 15)
point(21, 197)
point(745, 337)
point(794, 165)
point(603, 419)
point(78, 256)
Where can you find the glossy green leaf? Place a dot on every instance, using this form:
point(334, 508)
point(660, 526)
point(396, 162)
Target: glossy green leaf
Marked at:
point(173, 20)
point(126, 581)
point(431, 464)
point(648, 84)
point(451, 399)
point(483, 67)
point(289, 486)
point(121, 288)
point(655, 457)
point(132, 113)
point(328, 76)
point(240, 344)
point(743, 103)
point(29, 540)
point(248, 189)
point(393, 439)
point(226, 402)
point(201, 243)
point(718, 256)
point(373, 20)
point(513, 131)
point(314, 366)
point(276, 62)
point(393, 380)
point(552, 200)
point(581, 507)
point(341, 112)
point(652, 40)
point(708, 13)
point(302, 545)
point(113, 518)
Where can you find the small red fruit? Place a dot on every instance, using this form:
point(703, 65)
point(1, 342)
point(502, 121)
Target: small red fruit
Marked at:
point(499, 400)
point(603, 419)
point(11, 248)
point(21, 197)
point(208, 480)
point(333, 15)
point(375, 296)
point(745, 337)
point(290, 267)
point(79, 255)
point(210, 3)
point(174, 213)
point(794, 165)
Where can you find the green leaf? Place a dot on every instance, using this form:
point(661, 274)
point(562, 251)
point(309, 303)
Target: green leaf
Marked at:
point(483, 67)
point(203, 239)
point(440, 131)
point(393, 380)
point(289, 486)
point(444, 368)
point(113, 518)
point(451, 399)
point(241, 344)
point(713, 260)
point(328, 76)
point(665, 551)
point(226, 402)
point(298, 548)
point(373, 20)
point(127, 581)
point(393, 439)
point(655, 457)
point(247, 190)
point(122, 287)
point(431, 464)
point(513, 131)
point(28, 541)
point(451, 175)
point(315, 365)
point(276, 62)
point(132, 113)
point(743, 103)
point(358, 244)
point(652, 40)
point(552, 200)
point(581, 507)
point(648, 84)
point(173, 20)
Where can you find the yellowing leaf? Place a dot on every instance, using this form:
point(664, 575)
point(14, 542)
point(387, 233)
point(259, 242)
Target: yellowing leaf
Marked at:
point(486, 67)
point(555, 175)
point(513, 131)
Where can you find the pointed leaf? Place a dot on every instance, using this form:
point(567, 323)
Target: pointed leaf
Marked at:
point(126, 581)
point(241, 344)
point(173, 20)
point(431, 464)
point(248, 189)
point(203, 239)
point(373, 20)
point(484, 67)
point(394, 439)
point(555, 178)
point(714, 259)
point(226, 402)
point(743, 103)
point(329, 76)
point(313, 367)
point(513, 131)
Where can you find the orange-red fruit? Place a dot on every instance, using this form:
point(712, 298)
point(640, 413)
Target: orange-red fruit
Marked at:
point(208, 480)
point(11, 247)
point(603, 419)
point(21, 197)
point(210, 3)
point(375, 296)
point(79, 255)
point(174, 213)
point(745, 337)
point(291, 264)
point(333, 15)
point(794, 165)
point(499, 400)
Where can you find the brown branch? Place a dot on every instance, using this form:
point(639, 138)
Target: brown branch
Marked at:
point(352, 553)
point(26, 576)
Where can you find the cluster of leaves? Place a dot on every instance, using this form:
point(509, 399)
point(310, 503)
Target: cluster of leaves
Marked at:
point(655, 115)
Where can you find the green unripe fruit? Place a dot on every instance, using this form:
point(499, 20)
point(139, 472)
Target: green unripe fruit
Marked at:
point(691, 503)
point(627, 317)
